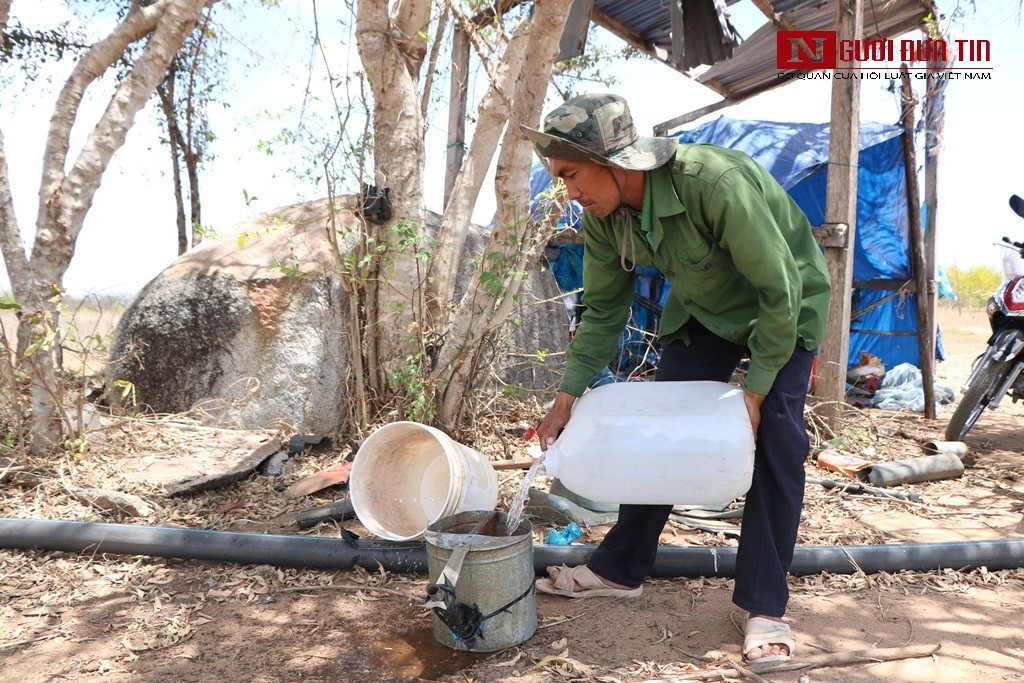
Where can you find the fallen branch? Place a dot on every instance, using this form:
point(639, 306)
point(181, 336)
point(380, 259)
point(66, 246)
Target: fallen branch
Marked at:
point(889, 654)
point(353, 588)
point(524, 464)
point(747, 673)
point(49, 636)
point(562, 621)
point(810, 662)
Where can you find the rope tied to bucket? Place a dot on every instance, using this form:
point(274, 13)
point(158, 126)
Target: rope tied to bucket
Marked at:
point(465, 622)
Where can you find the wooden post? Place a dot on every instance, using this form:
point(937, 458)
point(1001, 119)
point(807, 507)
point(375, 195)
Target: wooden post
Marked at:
point(925, 335)
point(841, 208)
point(457, 109)
point(934, 113)
point(678, 56)
point(574, 35)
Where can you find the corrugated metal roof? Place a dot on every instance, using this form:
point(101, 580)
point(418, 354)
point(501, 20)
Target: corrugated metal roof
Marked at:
point(649, 19)
point(705, 37)
point(751, 69)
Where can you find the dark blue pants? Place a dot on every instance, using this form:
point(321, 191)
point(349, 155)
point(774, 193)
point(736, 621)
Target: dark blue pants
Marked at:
point(771, 513)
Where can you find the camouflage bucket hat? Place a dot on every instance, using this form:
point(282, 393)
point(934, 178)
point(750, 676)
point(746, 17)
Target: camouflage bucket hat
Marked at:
point(599, 129)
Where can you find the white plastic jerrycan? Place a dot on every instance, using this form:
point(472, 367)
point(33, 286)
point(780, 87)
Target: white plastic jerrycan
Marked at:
point(656, 443)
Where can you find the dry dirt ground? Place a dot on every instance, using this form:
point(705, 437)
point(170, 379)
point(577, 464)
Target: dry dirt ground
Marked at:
point(93, 617)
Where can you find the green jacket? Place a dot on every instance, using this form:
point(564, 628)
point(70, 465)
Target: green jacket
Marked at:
point(737, 250)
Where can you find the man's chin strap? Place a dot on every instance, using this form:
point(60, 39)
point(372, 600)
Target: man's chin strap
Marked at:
point(618, 188)
point(628, 265)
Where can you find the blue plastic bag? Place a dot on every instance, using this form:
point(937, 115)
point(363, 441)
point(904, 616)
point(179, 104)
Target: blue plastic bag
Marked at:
point(564, 536)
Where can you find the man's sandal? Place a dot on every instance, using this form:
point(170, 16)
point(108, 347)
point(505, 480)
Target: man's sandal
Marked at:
point(580, 582)
point(759, 632)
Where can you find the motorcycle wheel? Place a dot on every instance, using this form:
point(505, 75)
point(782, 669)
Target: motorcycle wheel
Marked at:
point(974, 400)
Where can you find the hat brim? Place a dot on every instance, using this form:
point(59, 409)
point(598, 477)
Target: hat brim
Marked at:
point(645, 154)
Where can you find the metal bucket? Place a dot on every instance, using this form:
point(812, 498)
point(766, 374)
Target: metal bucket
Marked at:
point(482, 593)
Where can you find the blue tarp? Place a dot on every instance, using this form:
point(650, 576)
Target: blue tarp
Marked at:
point(884, 323)
point(651, 288)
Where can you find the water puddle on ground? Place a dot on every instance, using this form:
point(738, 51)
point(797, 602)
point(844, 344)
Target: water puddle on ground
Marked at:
point(417, 654)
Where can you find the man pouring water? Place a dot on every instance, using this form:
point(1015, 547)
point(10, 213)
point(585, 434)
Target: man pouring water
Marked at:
point(746, 276)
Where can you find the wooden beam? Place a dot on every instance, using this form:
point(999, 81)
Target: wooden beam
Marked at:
point(777, 19)
point(925, 335)
point(678, 56)
point(577, 25)
point(841, 207)
point(666, 127)
point(886, 285)
point(835, 235)
point(459, 95)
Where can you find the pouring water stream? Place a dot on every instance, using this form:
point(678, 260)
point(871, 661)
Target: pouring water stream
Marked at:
point(515, 510)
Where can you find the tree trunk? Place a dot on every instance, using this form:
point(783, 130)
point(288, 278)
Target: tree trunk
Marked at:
point(516, 240)
point(66, 196)
point(492, 115)
point(166, 94)
point(396, 277)
point(192, 168)
point(396, 287)
point(190, 147)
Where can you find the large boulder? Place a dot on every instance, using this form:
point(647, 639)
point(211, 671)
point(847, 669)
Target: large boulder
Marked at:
point(250, 329)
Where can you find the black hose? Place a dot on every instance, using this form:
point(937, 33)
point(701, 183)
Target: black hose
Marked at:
point(411, 557)
point(871, 559)
point(224, 546)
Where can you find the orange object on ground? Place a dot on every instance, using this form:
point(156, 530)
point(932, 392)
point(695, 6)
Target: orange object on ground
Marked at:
point(834, 461)
point(338, 474)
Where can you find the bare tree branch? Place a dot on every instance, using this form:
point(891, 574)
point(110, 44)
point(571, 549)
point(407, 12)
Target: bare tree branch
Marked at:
point(412, 18)
point(192, 158)
point(492, 115)
point(165, 91)
point(138, 23)
point(483, 50)
point(10, 236)
point(442, 25)
point(514, 239)
point(69, 202)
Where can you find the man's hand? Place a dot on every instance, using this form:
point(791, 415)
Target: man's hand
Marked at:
point(556, 419)
point(753, 402)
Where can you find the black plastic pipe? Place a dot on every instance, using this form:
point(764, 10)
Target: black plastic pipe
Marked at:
point(411, 557)
point(222, 546)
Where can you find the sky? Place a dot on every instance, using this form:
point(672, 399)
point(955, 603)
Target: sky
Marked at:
point(129, 235)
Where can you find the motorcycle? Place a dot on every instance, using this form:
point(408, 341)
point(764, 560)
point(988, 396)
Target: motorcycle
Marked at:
point(998, 371)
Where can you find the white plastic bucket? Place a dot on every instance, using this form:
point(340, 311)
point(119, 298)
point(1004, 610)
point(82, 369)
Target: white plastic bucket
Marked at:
point(406, 476)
